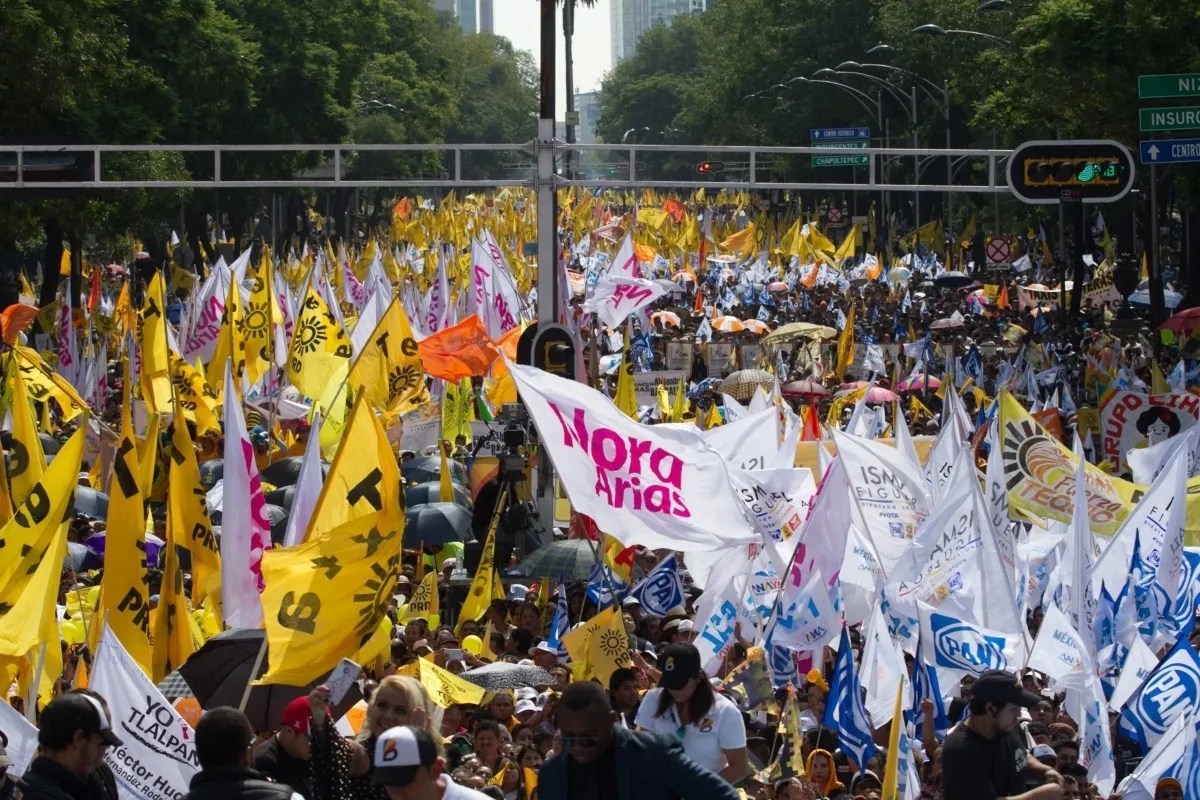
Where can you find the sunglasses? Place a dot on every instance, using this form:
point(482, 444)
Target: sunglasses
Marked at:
point(580, 741)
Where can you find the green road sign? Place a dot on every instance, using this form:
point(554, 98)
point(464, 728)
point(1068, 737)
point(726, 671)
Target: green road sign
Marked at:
point(1153, 86)
point(842, 161)
point(1170, 118)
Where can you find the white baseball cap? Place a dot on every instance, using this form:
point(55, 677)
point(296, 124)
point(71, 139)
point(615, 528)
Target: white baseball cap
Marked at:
point(400, 752)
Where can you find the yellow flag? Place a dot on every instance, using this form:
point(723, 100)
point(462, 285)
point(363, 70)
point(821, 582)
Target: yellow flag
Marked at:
point(424, 603)
point(231, 341)
point(1158, 381)
point(262, 314)
point(845, 347)
point(64, 263)
point(891, 774)
point(743, 241)
point(447, 689)
point(663, 399)
point(194, 396)
point(848, 247)
point(26, 460)
point(445, 485)
point(147, 454)
point(6, 507)
point(498, 778)
point(819, 242)
point(625, 398)
point(388, 370)
point(319, 347)
point(155, 375)
point(363, 479)
point(324, 599)
point(680, 406)
point(43, 382)
point(187, 513)
point(601, 643)
point(486, 585)
point(713, 418)
point(172, 630)
point(123, 592)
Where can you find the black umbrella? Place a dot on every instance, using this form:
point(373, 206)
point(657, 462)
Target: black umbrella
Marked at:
point(429, 468)
point(282, 497)
point(278, 519)
point(503, 675)
point(286, 471)
point(569, 559)
point(436, 524)
point(90, 503)
point(220, 670)
point(953, 280)
point(50, 445)
point(431, 492)
point(211, 472)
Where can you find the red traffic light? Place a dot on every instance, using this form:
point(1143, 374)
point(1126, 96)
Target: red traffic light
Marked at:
point(705, 167)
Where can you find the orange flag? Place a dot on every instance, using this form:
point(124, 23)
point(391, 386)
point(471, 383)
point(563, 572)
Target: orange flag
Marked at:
point(811, 432)
point(674, 208)
point(15, 319)
point(1002, 298)
point(402, 208)
point(810, 280)
point(461, 351)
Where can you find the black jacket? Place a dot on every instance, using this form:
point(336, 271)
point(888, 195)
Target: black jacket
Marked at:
point(649, 767)
point(273, 761)
point(235, 783)
point(48, 780)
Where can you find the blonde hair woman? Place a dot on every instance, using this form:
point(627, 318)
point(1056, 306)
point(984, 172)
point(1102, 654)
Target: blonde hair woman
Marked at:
point(341, 768)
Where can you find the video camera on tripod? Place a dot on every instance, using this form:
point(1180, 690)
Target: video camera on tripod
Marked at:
point(507, 439)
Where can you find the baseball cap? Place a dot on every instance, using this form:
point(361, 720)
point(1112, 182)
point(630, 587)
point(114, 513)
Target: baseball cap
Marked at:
point(629, 602)
point(1043, 751)
point(76, 711)
point(525, 706)
point(863, 778)
point(1000, 687)
point(298, 715)
point(686, 625)
point(679, 664)
point(400, 752)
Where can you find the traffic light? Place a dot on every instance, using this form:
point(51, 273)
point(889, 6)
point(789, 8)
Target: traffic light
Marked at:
point(1073, 172)
point(705, 167)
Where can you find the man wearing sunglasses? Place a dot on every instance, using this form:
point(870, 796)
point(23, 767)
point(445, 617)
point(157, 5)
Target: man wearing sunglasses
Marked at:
point(601, 760)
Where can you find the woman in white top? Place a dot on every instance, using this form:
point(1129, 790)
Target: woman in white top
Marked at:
point(685, 705)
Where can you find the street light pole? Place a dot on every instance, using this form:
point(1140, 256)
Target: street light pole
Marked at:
point(547, 211)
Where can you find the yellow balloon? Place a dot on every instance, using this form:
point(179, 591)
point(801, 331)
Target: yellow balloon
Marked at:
point(472, 644)
point(72, 631)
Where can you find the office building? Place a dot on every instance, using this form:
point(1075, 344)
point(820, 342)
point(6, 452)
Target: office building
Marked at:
point(487, 16)
point(588, 106)
point(474, 16)
point(632, 18)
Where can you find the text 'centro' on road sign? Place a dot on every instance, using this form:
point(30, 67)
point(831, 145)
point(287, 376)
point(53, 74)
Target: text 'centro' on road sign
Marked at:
point(1169, 118)
point(1164, 86)
point(1170, 151)
point(821, 134)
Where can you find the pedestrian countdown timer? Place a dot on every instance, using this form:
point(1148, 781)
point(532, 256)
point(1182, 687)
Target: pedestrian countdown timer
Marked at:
point(1081, 170)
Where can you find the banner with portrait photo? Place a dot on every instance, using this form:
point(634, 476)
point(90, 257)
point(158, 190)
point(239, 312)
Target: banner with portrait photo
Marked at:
point(1132, 420)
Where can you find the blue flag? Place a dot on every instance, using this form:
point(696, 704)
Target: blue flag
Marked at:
point(661, 589)
point(602, 587)
point(925, 686)
point(844, 709)
point(560, 624)
point(1172, 689)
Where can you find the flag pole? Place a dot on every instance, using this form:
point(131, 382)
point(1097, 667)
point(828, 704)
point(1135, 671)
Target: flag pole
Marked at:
point(258, 661)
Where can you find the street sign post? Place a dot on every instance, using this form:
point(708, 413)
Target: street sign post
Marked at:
point(1152, 87)
point(1169, 118)
point(853, 138)
point(997, 250)
point(1170, 151)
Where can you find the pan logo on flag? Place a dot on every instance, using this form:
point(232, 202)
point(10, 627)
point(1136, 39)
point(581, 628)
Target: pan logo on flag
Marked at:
point(901, 530)
point(1173, 691)
point(958, 645)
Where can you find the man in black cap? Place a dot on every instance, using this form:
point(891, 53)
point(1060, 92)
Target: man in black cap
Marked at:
point(984, 757)
point(73, 736)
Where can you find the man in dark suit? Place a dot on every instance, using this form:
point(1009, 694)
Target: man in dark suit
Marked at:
point(604, 761)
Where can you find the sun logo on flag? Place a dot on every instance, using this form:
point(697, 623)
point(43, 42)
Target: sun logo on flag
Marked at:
point(402, 380)
point(310, 336)
point(377, 595)
point(255, 320)
point(613, 643)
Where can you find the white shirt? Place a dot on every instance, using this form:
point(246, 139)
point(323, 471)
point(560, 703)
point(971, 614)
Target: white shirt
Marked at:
point(704, 740)
point(456, 792)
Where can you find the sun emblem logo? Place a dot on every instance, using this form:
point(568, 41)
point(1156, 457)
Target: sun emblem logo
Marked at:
point(374, 601)
point(613, 643)
point(255, 320)
point(310, 336)
point(402, 380)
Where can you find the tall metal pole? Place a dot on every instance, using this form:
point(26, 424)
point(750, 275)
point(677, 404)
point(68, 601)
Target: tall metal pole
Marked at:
point(547, 204)
point(1157, 301)
point(916, 174)
point(949, 172)
point(568, 33)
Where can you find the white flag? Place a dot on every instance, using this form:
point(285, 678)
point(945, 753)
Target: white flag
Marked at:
point(245, 531)
point(308, 487)
point(616, 297)
point(1059, 652)
point(21, 737)
point(157, 757)
point(1165, 754)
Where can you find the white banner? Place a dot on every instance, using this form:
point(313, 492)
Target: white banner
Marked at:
point(616, 297)
point(1059, 652)
point(158, 756)
point(645, 385)
point(658, 488)
point(207, 310)
point(807, 619)
point(950, 644)
point(21, 737)
point(750, 443)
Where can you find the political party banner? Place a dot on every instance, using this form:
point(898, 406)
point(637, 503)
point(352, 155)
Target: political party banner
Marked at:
point(157, 757)
point(750, 443)
point(679, 356)
point(948, 643)
point(1131, 420)
point(616, 297)
point(660, 488)
point(645, 385)
point(1059, 652)
point(1171, 691)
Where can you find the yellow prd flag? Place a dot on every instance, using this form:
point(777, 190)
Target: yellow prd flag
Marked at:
point(363, 479)
point(231, 341)
point(741, 242)
point(424, 603)
point(624, 398)
point(319, 347)
point(6, 507)
point(680, 406)
point(848, 248)
point(388, 370)
point(891, 773)
point(663, 398)
point(194, 396)
point(845, 347)
point(819, 242)
point(486, 585)
point(498, 778)
point(64, 263)
point(324, 599)
point(447, 689)
point(172, 629)
point(155, 374)
point(445, 485)
point(601, 643)
point(44, 382)
point(1158, 381)
point(262, 315)
point(713, 418)
point(187, 513)
point(147, 454)
point(123, 593)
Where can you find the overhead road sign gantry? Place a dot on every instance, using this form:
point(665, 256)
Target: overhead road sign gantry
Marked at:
point(1155, 87)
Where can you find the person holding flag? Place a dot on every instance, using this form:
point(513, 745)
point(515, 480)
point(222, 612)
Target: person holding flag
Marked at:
point(984, 757)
